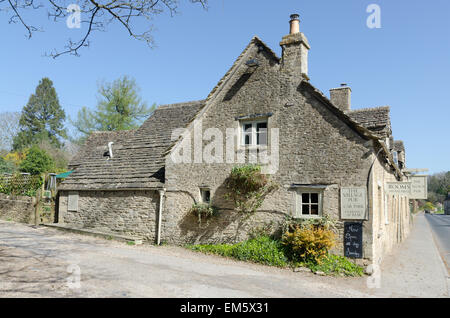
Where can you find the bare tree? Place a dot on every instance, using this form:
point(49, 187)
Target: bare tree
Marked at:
point(97, 15)
point(9, 127)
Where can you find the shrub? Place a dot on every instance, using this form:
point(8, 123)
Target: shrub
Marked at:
point(20, 185)
point(248, 187)
point(309, 243)
point(202, 211)
point(334, 264)
point(262, 250)
point(36, 162)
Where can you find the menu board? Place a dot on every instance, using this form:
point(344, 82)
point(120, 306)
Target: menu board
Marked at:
point(353, 243)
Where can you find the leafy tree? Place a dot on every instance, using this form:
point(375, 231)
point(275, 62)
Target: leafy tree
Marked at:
point(36, 162)
point(42, 118)
point(9, 126)
point(94, 16)
point(6, 166)
point(119, 108)
point(438, 186)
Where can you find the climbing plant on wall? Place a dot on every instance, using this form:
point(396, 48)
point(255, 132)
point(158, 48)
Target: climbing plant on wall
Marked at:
point(248, 187)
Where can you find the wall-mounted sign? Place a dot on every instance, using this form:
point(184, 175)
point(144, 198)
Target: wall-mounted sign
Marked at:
point(353, 203)
point(398, 188)
point(419, 188)
point(353, 239)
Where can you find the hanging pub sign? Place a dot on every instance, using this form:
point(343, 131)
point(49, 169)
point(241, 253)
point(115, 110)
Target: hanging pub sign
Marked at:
point(353, 203)
point(419, 188)
point(398, 188)
point(353, 239)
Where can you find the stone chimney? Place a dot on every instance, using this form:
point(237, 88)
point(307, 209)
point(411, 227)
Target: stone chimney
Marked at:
point(295, 49)
point(341, 97)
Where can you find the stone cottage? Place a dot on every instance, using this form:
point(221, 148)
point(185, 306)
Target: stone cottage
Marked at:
point(264, 110)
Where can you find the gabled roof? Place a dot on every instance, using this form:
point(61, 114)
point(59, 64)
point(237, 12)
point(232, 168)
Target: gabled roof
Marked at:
point(138, 156)
point(375, 119)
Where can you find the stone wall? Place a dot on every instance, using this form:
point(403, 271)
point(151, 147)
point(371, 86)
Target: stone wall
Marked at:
point(316, 148)
point(391, 214)
point(17, 208)
point(122, 212)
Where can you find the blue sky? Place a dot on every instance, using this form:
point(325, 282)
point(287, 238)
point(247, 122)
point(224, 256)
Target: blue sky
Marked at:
point(405, 64)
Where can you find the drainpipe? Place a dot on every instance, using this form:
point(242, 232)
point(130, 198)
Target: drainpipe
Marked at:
point(161, 201)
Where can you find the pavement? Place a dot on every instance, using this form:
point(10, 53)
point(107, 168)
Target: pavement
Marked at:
point(415, 268)
point(45, 262)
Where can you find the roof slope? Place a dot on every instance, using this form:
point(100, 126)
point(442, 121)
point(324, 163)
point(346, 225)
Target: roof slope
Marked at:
point(375, 119)
point(138, 156)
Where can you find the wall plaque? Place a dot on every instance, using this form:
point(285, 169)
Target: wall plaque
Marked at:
point(353, 203)
point(353, 239)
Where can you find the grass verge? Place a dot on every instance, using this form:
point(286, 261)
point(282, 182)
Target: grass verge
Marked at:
point(267, 251)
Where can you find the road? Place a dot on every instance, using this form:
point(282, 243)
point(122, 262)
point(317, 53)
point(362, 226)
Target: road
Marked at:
point(39, 262)
point(440, 225)
point(45, 262)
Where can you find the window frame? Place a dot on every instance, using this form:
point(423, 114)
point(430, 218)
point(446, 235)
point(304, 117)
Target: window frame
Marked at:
point(204, 190)
point(253, 133)
point(298, 213)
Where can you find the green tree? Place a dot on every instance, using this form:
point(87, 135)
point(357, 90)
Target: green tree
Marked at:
point(36, 162)
point(42, 118)
point(6, 166)
point(119, 108)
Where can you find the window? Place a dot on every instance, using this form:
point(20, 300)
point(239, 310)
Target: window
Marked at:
point(395, 156)
point(254, 133)
point(72, 201)
point(308, 203)
point(205, 195)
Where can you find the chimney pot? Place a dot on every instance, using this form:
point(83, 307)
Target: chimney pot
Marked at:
point(294, 24)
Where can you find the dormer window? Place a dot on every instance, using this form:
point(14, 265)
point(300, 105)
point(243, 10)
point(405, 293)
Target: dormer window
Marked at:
point(254, 133)
point(395, 156)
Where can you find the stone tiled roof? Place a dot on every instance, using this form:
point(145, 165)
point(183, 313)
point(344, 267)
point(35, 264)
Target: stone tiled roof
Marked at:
point(138, 156)
point(375, 119)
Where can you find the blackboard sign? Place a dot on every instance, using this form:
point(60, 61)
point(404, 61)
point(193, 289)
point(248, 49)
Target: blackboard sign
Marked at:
point(353, 240)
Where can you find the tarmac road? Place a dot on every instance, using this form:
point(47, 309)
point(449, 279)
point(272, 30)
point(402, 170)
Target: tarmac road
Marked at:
point(440, 225)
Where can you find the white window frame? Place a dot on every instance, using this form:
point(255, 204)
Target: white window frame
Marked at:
point(253, 132)
point(299, 204)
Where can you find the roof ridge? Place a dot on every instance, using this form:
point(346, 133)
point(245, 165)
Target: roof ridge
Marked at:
point(181, 104)
point(370, 108)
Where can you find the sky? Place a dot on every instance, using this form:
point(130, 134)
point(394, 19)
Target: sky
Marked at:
point(404, 64)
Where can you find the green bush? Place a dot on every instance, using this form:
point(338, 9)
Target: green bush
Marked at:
point(36, 162)
point(262, 250)
point(203, 211)
point(334, 264)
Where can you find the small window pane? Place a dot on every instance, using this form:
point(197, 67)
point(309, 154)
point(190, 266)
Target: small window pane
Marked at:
point(314, 198)
point(305, 209)
point(305, 197)
point(206, 195)
point(314, 209)
point(261, 131)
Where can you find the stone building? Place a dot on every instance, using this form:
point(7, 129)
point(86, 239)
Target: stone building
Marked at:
point(144, 182)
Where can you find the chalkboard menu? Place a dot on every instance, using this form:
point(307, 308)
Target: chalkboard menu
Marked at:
point(353, 239)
